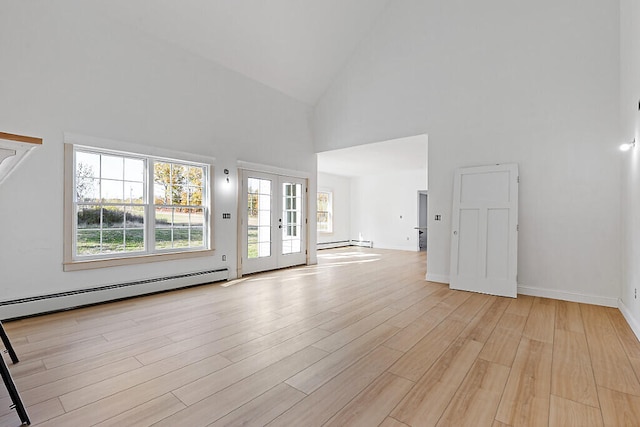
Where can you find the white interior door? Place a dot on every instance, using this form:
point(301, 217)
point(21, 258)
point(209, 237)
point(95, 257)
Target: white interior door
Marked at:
point(484, 241)
point(273, 231)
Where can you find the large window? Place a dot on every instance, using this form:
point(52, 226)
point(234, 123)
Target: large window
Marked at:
point(325, 212)
point(129, 205)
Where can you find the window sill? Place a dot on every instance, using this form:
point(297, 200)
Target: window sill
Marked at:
point(132, 260)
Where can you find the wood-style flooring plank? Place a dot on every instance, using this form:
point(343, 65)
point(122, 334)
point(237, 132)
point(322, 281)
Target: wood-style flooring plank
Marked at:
point(611, 366)
point(319, 373)
point(415, 362)
point(427, 401)
point(374, 403)
point(572, 374)
point(567, 413)
point(263, 408)
point(541, 321)
point(619, 409)
point(210, 384)
point(223, 402)
point(322, 404)
point(476, 401)
point(146, 414)
point(525, 400)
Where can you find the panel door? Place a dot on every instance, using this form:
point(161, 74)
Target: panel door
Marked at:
point(484, 241)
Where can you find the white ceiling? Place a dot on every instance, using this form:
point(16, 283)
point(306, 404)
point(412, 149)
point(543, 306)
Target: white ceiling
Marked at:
point(376, 159)
point(294, 46)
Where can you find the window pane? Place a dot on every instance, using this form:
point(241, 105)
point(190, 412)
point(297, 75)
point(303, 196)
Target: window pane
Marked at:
point(112, 191)
point(194, 176)
point(195, 196)
point(264, 234)
point(112, 167)
point(87, 189)
point(254, 185)
point(88, 242)
point(163, 238)
point(134, 217)
point(264, 218)
point(196, 216)
point(160, 195)
point(134, 170)
point(113, 217)
point(180, 237)
point(87, 165)
point(164, 217)
point(112, 241)
point(197, 237)
point(264, 249)
point(252, 235)
point(264, 202)
point(252, 250)
point(134, 192)
point(265, 186)
point(134, 240)
point(181, 217)
point(88, 217)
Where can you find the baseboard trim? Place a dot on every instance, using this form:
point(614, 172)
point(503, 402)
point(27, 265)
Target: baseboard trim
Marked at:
point(438, 278)
point(634, 323)
point(568, 296)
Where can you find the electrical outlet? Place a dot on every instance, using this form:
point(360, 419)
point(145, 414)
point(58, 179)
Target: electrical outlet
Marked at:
point(224, 257)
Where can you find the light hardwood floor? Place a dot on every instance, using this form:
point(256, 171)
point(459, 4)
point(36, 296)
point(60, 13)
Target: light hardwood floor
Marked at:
point(361, 339)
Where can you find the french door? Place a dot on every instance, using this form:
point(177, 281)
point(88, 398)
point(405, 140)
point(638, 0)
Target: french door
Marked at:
point(273, 230)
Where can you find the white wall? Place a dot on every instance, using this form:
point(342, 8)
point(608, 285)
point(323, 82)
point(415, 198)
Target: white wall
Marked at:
point(340, 186)
point(498, 81)
point(65, 70)
point(384, 209)
point(630, 128)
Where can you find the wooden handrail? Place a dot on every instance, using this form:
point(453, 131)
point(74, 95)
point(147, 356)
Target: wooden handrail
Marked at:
point(20, 138)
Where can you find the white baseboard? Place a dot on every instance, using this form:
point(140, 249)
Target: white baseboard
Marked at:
point(568, 296)
point(634, 323)
point(438, 278)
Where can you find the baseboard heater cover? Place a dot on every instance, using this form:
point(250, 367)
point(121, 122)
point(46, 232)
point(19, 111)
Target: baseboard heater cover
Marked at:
point(23, 307)
point(345, 243)
point(331, 245)
point(363, 243)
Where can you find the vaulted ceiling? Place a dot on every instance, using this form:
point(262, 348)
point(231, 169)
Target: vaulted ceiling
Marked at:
point(293, 46)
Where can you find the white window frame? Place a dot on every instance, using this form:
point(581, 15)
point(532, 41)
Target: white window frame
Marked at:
point(330, 211)
point(73, 262)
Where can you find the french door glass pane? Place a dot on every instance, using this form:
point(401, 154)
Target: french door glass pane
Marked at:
point(258, 218)
point(292, 214)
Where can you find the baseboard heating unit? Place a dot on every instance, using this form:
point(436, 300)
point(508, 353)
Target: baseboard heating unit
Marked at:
point(24, 307)
point(344, 243)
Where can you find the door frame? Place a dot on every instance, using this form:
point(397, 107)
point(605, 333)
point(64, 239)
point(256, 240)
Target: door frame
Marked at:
point(243, 166)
